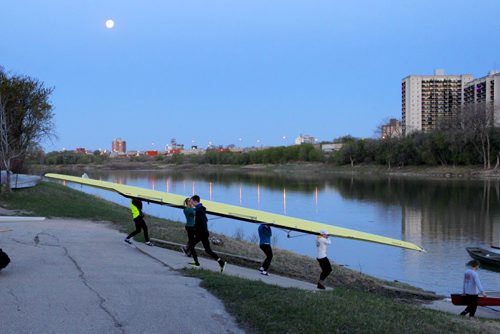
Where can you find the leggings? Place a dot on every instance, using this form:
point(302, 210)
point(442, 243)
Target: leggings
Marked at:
point(206, 245)
point(326, 268)
point(266, 248)
point(190, 233)
point(140, 224)
point(471, 304)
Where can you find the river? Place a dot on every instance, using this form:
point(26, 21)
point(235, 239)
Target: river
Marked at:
point(442, 216)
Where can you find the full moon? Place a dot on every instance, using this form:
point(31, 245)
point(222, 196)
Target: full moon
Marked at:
point(110, 24)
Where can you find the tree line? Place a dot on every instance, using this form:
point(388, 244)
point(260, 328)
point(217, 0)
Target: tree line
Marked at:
point(468, 136)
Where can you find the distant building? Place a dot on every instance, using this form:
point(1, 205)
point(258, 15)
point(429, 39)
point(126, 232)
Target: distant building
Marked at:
point(173, 147)
point(329, 148)
point(485, 91)
point(425, 99)
point(393, 129)
point(304, 139)
point(119, 146)
point(81, 150)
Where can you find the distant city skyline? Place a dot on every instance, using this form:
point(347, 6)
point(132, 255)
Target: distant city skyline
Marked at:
point(248, 73)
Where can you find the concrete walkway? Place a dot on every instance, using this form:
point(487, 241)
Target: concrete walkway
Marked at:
point(70, 276)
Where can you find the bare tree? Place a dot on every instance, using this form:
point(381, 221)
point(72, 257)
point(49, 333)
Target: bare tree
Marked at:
point(6, 153)
point(25, 118)
point(477, 122)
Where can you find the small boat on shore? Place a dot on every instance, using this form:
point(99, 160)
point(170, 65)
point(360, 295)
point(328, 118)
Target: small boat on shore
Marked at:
point(18, 181)
point(490, 300)
point(484, 256)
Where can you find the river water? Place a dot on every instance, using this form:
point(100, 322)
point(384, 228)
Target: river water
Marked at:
point(442, 216)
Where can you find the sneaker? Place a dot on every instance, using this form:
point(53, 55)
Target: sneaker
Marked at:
point(222, 266)
point(194, 264)
point(149, 243)
point(261, 269)
point(321, 286)
point(128, 241)
point(265, 273)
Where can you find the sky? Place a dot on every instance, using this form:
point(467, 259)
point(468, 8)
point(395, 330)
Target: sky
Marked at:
point(246, 72)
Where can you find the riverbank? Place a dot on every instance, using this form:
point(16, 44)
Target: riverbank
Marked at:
point(293, 170)
point(365, 297)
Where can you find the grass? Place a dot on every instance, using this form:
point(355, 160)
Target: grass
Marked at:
point(358, 303)
point(264, 308)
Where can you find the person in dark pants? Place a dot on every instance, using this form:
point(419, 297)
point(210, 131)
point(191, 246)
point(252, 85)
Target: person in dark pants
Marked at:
point(265, 234)
point(472, 287)
point(140, 224)
point(201, 234)
point(189, 213)
point(322, 244)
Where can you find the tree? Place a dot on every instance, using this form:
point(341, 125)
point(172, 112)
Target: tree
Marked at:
point(25, 118)
point(478, 122)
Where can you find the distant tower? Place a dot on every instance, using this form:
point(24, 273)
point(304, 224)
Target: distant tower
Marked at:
point(119, 146)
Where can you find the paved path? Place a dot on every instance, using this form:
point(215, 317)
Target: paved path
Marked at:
point(69, 276)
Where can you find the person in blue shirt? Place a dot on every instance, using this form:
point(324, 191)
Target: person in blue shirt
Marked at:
point(265, 234)
point(472, 288)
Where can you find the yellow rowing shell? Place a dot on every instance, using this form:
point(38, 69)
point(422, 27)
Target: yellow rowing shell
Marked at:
point(236, 212)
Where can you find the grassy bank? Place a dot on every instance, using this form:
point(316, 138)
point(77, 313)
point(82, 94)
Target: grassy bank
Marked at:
point(358, 303)
point(265, 308)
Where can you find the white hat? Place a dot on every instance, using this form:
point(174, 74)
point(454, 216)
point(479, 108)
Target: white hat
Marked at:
point(323, 232)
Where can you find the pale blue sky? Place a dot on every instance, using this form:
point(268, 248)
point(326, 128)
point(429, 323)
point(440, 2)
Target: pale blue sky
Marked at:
point(202, 70)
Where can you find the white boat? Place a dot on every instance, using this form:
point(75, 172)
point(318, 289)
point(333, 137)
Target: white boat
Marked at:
point(18, 181)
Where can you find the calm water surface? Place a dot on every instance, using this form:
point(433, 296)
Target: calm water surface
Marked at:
point(443, 216)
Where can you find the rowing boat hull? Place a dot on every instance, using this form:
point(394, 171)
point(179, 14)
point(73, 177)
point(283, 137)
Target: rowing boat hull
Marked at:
point(236, 212)
point(459, 299)
point(484, 256)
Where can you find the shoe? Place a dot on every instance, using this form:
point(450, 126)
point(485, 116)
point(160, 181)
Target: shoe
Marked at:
point(265, 273)
point(128, 241)
point(463, 313)
point(149, 243)
point(222, 266)
point(261, 269)
point(194, 264)
point(321, 286)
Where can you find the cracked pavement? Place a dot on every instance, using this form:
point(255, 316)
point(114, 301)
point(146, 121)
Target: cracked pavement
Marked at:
point(72, 276)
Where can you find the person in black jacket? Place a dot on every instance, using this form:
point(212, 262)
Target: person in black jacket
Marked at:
point(201, 234)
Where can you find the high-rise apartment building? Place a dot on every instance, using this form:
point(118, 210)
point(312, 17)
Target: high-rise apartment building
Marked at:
point(119, 146)
point(485, 91)
point(426, 99)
